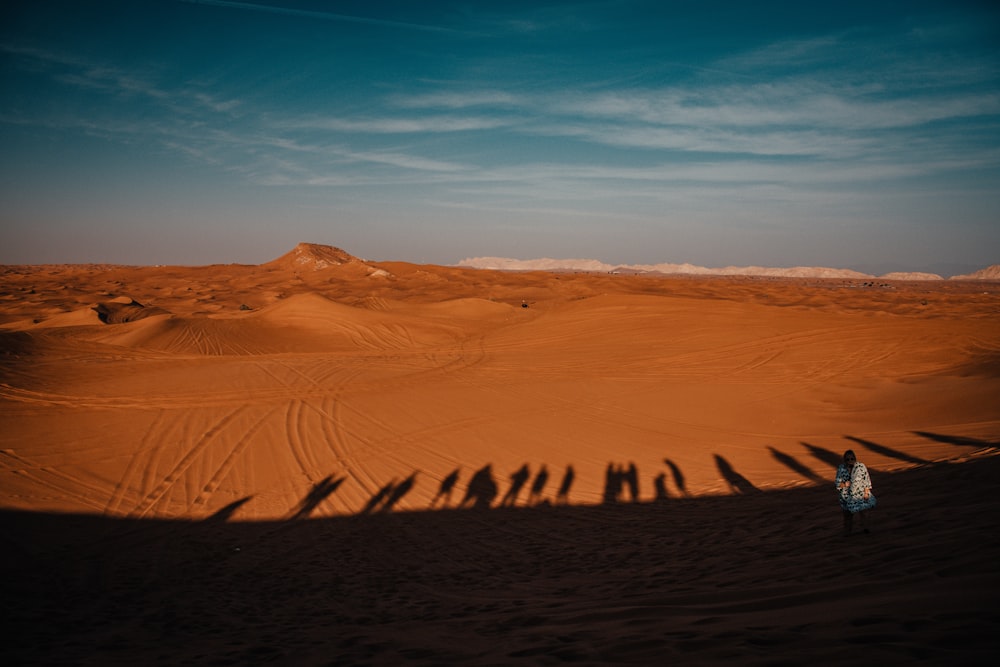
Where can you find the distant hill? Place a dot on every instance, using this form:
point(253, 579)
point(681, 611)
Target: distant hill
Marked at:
point(593, 265)
point(318, 257)
point(910, 275)
point(312, 256)
point(989, 273)
point(548, 264)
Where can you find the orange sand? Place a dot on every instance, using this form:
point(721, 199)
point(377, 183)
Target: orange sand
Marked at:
point(240, 463)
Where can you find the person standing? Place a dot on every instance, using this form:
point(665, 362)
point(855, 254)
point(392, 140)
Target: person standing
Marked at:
point(854, 486)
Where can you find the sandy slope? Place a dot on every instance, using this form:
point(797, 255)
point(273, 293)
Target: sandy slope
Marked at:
point(344, 389)
point(149, 392)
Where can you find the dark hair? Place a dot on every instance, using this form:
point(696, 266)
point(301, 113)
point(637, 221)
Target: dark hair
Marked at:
point(850, 452)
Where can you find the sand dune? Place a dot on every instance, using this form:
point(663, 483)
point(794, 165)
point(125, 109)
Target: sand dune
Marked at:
point(214, 407)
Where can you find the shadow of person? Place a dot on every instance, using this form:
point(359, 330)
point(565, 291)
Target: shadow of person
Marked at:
point(317, 494)
point(957, 440)
point(660, 487)
point(482, 490)
point(517, 481)
point(562, 496)
point(376, 501)
point(616, 479)
point(226, 513)
point(678, 476)
point(887, 451)
point(613, 480)
point(829, 457)
point(737, 482)
point(538, 486)
point(794, 465)
point(631, 477)
point(446, 489)
point(397, 493)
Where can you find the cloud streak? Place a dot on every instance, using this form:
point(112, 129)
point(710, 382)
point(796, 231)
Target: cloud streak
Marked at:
point(100, 77)
point(320, 15)
point(398, 125)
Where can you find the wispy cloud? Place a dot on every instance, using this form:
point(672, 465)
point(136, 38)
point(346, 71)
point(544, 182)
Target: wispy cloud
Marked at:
point(89, 74)
point(786, 105)
point(538, 20)
point(321, 15)
point(459, 99)
point(85, 73)
point(398, 125)
point(404, 161)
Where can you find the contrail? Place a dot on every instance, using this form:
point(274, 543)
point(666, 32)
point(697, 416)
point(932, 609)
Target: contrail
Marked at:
point(326, 16)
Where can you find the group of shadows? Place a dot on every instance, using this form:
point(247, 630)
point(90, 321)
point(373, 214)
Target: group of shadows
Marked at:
point(621, 483)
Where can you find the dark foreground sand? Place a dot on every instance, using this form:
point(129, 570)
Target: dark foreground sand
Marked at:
point(758, 578)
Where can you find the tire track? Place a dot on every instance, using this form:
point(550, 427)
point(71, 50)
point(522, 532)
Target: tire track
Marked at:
point(711, 362)
point(296, 430)
point(403, 440)
point(177, 472)
point(69, 486)
point(215, 480)
point(296, 436)
point(352, 466)
point(773, 348)
point(132, 469)
point(216, 399)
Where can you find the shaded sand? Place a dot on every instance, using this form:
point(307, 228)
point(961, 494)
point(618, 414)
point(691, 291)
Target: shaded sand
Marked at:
point(758, 579)
point(328, 416)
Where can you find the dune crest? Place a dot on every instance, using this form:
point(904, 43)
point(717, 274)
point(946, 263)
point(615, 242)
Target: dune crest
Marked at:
point(362, 326)
point(124, 309)
point(87, 316)
point(468, 308)
point(305, 323)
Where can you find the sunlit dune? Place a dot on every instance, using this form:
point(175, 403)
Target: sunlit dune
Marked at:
point(487, 407)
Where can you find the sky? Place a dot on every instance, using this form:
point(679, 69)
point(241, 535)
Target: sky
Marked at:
point(858, 135)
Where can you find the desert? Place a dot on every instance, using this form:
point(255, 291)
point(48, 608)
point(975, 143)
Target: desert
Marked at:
point(329, 460)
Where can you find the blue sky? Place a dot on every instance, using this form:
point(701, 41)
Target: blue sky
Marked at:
point(853, 134)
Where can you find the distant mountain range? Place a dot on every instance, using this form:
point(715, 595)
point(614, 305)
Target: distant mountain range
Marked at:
point(314, 257)
point(597, 266)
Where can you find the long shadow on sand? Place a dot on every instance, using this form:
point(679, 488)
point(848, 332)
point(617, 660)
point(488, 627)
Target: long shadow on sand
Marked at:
point(959, 441)
point(757, 578)
point(737, 482)
point(796, 466)
point(317, 494)
point(679, 479)
point(887, 451)
point(823, 455)
point(617, 479)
